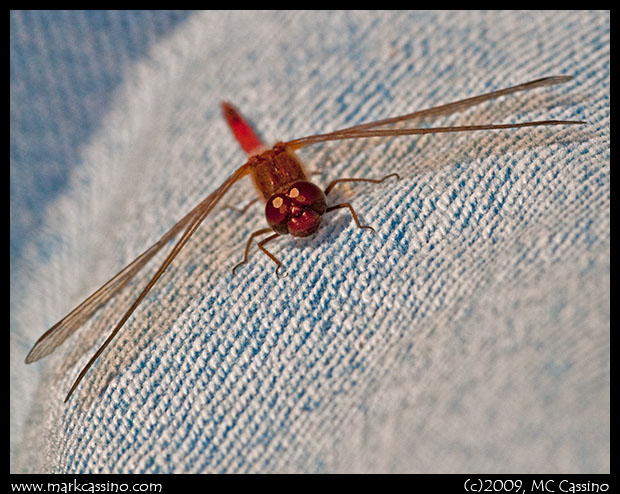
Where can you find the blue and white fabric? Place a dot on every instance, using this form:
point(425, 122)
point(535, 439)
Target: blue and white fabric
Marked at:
point(470, 333)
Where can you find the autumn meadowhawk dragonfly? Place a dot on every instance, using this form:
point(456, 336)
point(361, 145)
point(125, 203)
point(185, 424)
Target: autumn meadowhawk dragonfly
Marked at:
point(293, 204)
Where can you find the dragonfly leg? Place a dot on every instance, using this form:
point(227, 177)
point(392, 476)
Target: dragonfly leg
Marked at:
point(372, 180)
point(247, 246)
point(271, 256)
point(347, 205)
point(328, 162)
point(244, 208)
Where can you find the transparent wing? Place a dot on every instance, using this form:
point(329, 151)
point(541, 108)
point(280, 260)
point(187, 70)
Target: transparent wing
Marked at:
point(357, 134)
point(445, 109)
point(204, 208)
point(64, 328)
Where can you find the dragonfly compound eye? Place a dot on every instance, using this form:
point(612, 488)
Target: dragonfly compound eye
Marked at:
point(277, 212)
point(297, 212)
point(308, 203)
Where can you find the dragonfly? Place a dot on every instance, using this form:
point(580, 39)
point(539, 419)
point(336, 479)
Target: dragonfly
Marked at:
point(293, 204)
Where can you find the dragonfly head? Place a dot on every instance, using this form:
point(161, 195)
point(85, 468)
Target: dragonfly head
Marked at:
point(297, 211)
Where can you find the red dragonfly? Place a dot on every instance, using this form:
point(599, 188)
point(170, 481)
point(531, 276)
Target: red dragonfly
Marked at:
point(293, 204)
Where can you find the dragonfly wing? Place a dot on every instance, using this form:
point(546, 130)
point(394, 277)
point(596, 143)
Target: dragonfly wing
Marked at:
point(453, 107)
point(64, 328)
point(360, 134)
point(204, 208)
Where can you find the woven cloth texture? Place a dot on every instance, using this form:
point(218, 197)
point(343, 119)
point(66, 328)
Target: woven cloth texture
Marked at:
point(469, 333)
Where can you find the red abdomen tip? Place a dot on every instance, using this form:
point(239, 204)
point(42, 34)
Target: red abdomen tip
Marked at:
point(242, 130)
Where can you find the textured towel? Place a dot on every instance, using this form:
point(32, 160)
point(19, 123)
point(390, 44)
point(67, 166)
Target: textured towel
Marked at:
point(469, 333)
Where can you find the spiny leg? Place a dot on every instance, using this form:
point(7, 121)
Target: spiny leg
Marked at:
point(347, 205)
point(247, 246)
point(271, 256)
point(328, 162)
point(372, 180)
point(244, 208)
